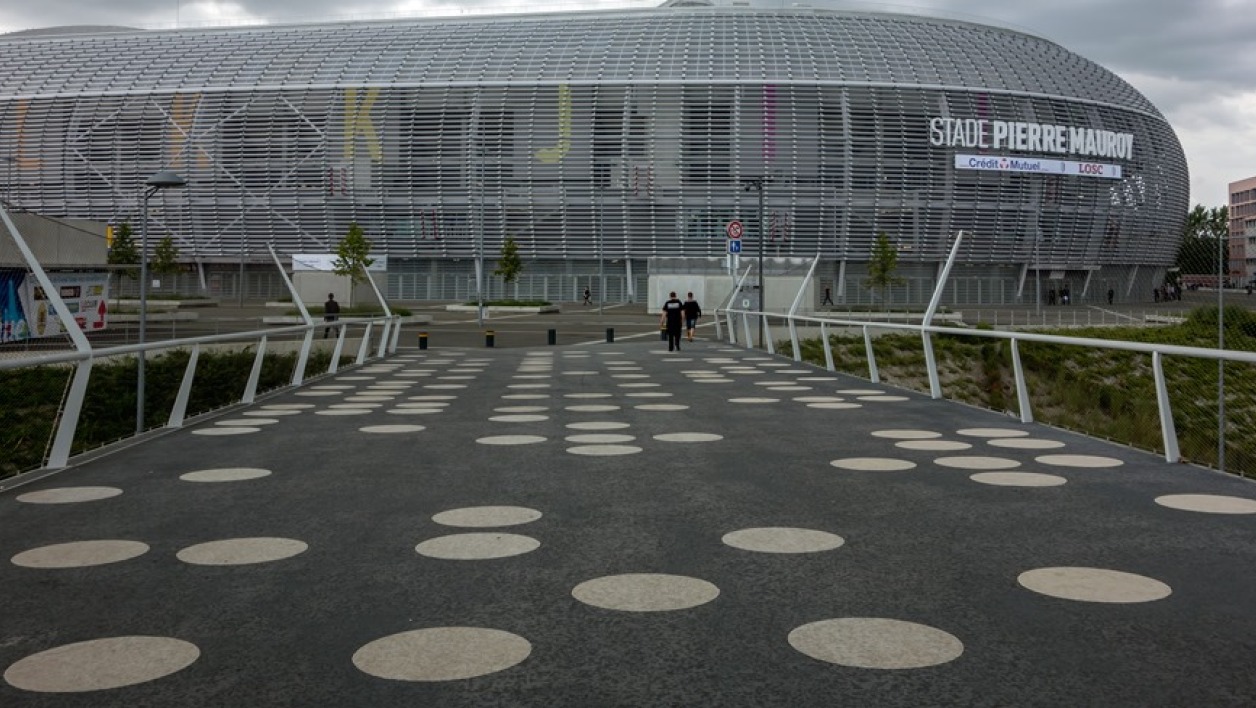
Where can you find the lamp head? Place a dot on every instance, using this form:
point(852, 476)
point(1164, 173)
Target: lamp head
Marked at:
point(165, 179)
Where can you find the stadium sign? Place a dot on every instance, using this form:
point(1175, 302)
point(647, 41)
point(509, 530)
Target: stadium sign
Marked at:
point(979, 133)
point(1041, 165)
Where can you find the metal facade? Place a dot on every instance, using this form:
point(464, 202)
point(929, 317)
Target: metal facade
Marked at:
point(626, 134)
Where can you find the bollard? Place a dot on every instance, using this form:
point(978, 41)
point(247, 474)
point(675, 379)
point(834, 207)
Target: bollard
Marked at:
point(422, 340)
point(488, 337)
point(553, 336)
point(610, 335)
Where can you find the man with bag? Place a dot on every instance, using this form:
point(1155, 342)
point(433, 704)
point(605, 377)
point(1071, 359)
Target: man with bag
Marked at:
point(672, 318)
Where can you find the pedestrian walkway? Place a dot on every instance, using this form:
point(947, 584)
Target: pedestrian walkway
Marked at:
point(614, 525)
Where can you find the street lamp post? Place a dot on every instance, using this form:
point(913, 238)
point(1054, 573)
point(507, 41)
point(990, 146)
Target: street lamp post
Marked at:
point(601, 273)
point(758, 184)
point(162, 180)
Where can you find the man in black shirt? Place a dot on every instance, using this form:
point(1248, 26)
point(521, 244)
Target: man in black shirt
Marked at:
point(331, 312)
point(672, 317)
point(692, 312)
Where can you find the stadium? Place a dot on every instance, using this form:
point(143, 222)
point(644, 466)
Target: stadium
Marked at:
point(616, 142)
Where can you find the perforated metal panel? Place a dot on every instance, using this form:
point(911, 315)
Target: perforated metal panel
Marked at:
point(625, 134)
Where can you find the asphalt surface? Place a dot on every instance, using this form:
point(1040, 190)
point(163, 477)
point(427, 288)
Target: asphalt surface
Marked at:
point(926, 545)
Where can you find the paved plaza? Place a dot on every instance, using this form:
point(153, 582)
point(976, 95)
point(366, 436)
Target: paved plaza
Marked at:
point(616, 525)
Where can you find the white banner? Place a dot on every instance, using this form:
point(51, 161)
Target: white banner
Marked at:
point(1042, 165)
point(325, 262)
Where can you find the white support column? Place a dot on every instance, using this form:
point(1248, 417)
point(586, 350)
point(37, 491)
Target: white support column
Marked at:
point(943, 274)
point(292, 289)
point(873, 375)
point(298, 373)
point(767, 335)
point(828, 347)
point(250, 389)
point(64, 442)
point(365, 346)
point(1022, 391)
point(793, 308)
point(179, 410)
point(745, 322)
point(392, 349)
point(931, 366)
point(1167, 429)
point(334, 365)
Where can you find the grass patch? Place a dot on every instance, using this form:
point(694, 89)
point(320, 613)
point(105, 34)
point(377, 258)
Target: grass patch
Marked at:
point(512, 303)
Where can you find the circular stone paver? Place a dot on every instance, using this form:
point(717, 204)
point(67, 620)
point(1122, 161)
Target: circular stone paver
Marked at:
point(993, 433)
point(688, 437)
point(933, 445)
point(604, 450)
point(344, 411)
point(906, 434)
point(402, 410)
point(510, 440)
point(876, 643)
point(101, 664)
point(818, 399)
point(754, 400)
point(441, 654)
point(525, 396)
point(80, 554)
point(860, 392)
point(241, 551)
point(287, 406)
point(521, 409)
point(524, 386)
point(883, 399)
point(443, 387)
point(873, 464)
point(221, 432)
point(783, 540)
point(433, 397)
point(335, 406)
point(1093, 461)
point(645, 592)
point(386, 429)
point(423, 404)
point(224, 474)
point(586, 395)
point(1208, 503)
point(487, 516)
point(69, 495)
point(835, 406)
point(648, 394)
point(661, 407)
point(1018, 479)
point(269, 414)
point(245, 422)
point(1093, 585)
point(1025, 443)
point(520, 418)
point(477, 546)
point(789, 388)
point(598, 425)
point(316, 394)
point(977, 462)
point(599, 438)
point(593, 408)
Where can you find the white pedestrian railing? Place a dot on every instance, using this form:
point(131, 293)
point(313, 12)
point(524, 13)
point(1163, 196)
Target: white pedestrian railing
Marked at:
point(825, 325)
point(71, 408)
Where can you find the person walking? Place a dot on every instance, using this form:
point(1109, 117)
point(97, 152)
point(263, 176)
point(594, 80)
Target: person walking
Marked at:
point(1111, 294)
point(587, 296)
point(828, 297)
point(672, 317)
point(331, 312)
point(692, 312)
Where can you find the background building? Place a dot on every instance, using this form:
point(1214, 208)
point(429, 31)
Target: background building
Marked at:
point(629, 138)
point(1242, 209)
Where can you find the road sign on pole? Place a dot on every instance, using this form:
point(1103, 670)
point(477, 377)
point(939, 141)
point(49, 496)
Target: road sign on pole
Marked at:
point(734, 246)
point(734, 229)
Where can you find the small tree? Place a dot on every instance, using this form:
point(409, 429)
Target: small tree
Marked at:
point(123, 251)
point(353, 257)
point(882, 266)
point(509, 266)
point(166, 257)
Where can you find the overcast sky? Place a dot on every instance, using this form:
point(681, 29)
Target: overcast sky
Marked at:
point(1195, 59)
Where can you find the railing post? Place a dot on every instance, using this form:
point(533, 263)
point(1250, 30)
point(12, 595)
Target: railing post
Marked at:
point(298, 373)
point(365, 345)
point(873, 375)
point(828, 347)
point(1022, 391)
point(1167, 429)
point(180, 407)
point(732, 327)
point(396, 336)
point(383, 339)
point(745, 325)
point(250, 389)
point(719, 331)
point(64, 442)
point(334, 365)
point(793, 339)
point(931, 366)
point(767, 335)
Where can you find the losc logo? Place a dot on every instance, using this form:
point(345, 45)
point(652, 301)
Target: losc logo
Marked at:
point(1090, 168)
